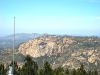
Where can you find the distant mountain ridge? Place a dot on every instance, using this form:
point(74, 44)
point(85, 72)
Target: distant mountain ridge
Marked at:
point(7, 41)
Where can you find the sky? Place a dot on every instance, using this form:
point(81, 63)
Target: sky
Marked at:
point(72, 17)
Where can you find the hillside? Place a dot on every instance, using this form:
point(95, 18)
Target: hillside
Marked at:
point(65, 51)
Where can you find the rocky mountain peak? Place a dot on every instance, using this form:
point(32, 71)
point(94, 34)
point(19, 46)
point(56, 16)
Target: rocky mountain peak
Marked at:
point(44, 45)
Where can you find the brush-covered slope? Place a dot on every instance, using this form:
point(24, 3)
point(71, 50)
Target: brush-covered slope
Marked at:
point(65, 51)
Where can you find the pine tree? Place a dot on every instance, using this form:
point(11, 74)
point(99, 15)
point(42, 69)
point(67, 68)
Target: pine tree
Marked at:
point(15, 67)
point(41, 72)
point(47, 69)
point(81, 70)
point(56, 71)
point(60, 69)
point(94, 72)
point(89, 73)
point(73, 72)
point(3, 71)
point(78, 72)
point(67, 71)
point(30, 67)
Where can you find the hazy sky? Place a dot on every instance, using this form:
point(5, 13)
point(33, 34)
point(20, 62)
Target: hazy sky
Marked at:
point(50, 16)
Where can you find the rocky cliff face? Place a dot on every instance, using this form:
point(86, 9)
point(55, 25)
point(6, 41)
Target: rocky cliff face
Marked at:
point(50, 45)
